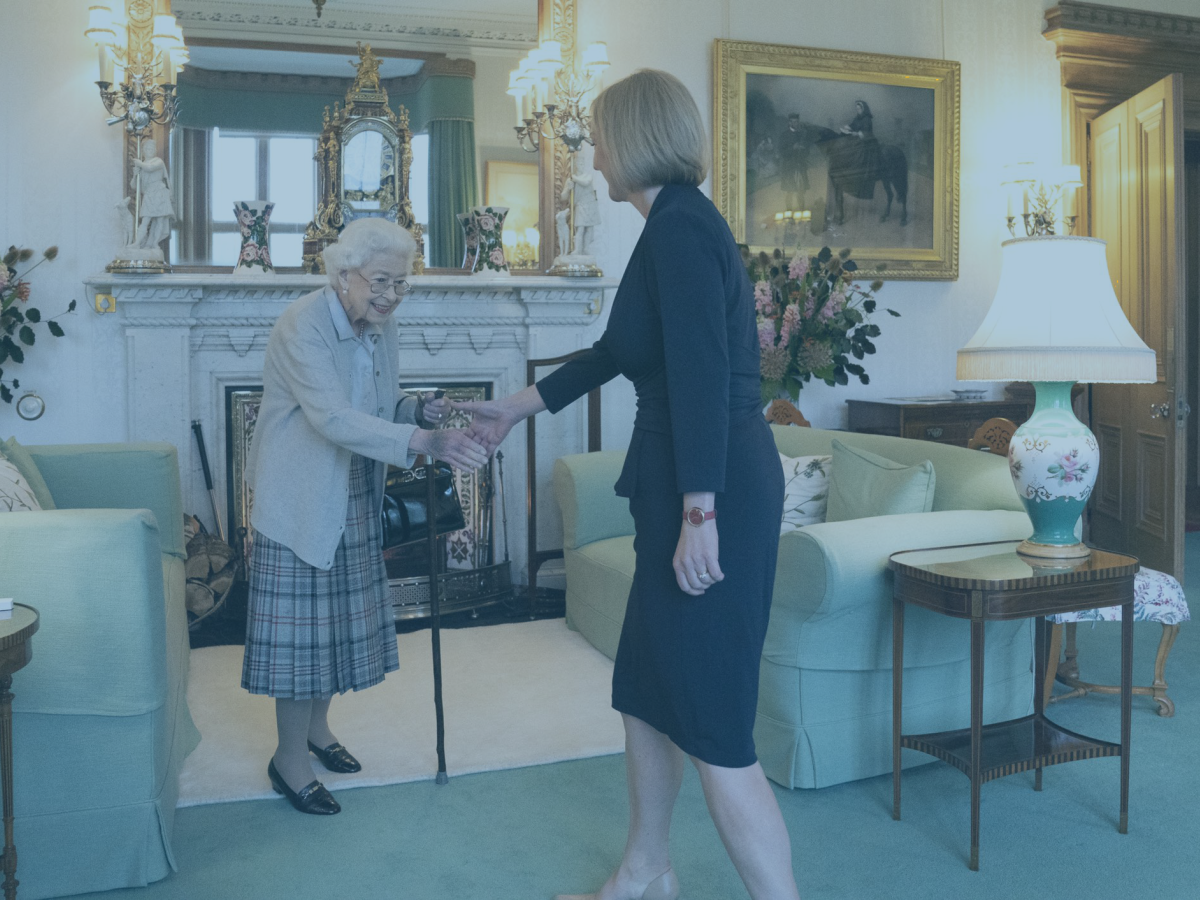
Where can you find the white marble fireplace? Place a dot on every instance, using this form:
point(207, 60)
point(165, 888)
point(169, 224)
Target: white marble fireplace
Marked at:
point(186, 338)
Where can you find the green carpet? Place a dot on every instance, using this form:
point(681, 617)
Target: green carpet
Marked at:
point(528, 833)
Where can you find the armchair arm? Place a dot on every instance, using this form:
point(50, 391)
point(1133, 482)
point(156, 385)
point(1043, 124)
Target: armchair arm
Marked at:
point(833, 589)
point(118, 476)
point(96, 580)
point(591, 509)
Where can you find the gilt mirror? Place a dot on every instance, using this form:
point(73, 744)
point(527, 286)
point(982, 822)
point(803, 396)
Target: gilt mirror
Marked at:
point(253, 95)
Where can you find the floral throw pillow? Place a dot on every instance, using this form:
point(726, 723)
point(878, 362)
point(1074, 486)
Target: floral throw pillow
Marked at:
point(15, 493)
point(805, 490)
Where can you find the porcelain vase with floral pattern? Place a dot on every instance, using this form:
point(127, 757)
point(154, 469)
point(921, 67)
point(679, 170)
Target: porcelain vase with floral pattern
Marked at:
point(253, 219)
point(470, 238)
point(489, 228)
point(1054, 459)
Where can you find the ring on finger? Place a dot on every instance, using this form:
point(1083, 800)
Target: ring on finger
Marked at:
point(704, 575)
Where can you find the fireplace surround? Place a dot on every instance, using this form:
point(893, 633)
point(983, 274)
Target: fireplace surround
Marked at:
point(186, 339)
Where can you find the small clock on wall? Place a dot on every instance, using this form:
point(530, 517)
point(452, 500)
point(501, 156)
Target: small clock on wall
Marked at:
point(30, 406)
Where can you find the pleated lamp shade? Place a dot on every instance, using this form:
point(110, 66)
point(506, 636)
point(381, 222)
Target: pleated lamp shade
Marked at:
point(1055, 317)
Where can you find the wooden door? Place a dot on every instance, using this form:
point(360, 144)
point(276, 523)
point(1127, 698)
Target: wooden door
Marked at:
point(1137, 206)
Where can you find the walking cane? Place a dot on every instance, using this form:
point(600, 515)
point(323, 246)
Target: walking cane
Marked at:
point(435, 619)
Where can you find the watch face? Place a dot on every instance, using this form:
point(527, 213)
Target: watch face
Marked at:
point(695, 516)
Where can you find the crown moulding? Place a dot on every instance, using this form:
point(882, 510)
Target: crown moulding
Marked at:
point(221, 18)
point(1092, 18)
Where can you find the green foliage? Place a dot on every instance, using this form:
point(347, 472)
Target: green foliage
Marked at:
point(17, 318)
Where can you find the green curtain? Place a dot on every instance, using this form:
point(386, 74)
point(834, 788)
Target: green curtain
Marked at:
point(452, 188)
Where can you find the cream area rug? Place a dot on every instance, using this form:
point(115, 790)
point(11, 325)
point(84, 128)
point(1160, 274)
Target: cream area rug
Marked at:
point(514, 695)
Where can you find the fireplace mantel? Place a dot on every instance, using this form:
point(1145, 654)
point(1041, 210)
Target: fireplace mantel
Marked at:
point(185, 338)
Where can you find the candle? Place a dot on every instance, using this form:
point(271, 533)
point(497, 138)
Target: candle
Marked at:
point(106, 66)
point(520, 118)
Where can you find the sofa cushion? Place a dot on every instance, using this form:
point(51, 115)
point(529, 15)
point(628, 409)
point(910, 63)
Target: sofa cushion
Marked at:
point(805, 490)
point(15, 493)
point(19, 457)
point(863, 484)
point(599, 577)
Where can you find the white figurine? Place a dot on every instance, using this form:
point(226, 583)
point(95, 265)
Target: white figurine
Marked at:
point(155, 212)
point(575, 250)
point(125, 221)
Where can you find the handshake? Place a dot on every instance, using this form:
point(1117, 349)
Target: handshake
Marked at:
point(465, 448)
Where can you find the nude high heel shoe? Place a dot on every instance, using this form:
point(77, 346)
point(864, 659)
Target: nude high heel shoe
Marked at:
point(664, 887)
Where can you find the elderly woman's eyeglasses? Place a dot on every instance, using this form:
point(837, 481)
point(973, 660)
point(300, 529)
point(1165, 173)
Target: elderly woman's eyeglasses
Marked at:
point(382, 285)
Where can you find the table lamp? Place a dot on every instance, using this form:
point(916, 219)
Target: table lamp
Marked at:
point(1055, 320)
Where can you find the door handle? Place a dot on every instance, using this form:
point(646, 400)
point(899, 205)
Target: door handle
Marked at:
point(1160, 410)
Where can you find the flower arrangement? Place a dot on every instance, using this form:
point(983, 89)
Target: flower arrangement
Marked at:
point(813, 316)
point(17, 319)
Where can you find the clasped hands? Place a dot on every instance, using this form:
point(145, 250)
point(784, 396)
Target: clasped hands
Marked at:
point(463, 448)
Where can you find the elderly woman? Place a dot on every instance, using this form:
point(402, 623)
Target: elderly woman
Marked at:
point(332, 416)
point(701, 461)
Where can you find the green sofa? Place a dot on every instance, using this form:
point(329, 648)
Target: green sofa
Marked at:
point(825, 694)
point(100, 718)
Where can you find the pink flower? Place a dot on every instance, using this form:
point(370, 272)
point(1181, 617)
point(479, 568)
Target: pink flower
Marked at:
point(798, 267)
point(834, 305)
point(810, 305)
point(249, 251)
point(487, 223)
point(245, 218)
point(766, 334)
point(790, 323)
point(22, 291)
point(763, 301)
point(497, 257)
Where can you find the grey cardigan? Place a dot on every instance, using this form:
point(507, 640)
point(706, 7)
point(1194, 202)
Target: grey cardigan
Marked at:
point(299, 460)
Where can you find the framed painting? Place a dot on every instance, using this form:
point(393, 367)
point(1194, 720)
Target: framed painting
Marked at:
point(825, 148)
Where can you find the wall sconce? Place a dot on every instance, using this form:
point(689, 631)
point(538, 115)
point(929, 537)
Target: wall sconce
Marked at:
point(1045, 195)
point(550, 96)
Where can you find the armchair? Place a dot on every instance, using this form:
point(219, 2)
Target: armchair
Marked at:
point(100, 718)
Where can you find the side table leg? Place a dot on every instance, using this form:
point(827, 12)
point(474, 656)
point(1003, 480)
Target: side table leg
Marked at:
point(897, 698)
point(976, 734)
point(1039, 677)
point(1126, 708)
point(6, 777)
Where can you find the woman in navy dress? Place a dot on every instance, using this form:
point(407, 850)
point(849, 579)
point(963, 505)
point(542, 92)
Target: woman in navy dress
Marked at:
point(701, 464)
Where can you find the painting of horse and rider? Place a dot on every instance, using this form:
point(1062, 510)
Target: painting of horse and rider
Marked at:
point(829, 148)
point(857, 158)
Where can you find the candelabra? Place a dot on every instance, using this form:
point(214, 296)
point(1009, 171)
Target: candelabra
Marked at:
point(1045, 194)
point(551, 98)
point(140, 53)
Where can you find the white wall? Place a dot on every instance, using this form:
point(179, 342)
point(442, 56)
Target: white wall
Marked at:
point(59, 167)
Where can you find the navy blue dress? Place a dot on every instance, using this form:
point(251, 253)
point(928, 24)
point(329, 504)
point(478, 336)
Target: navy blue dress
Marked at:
point(683, 330)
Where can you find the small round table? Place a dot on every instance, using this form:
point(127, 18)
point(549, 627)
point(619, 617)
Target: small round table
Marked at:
point(987, 582)
point(15, 652)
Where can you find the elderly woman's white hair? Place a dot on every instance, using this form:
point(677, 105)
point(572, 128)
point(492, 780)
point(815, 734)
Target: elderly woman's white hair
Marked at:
point(364, 239)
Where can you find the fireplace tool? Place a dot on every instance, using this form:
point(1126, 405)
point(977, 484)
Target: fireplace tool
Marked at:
point(208, 482)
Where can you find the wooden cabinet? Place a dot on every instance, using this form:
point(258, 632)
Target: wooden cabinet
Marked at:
point(942, 421)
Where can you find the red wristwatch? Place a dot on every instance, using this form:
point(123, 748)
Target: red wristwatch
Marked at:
point(696, 516)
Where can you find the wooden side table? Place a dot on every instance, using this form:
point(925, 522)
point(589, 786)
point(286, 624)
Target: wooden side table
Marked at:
point(943, 421)
point(986, 582)
point(15, 652)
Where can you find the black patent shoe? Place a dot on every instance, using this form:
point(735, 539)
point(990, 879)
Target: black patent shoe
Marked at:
point(314, 799)
point(335, 758)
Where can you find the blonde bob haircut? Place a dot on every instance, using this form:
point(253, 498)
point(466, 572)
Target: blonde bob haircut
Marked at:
point(364, 239)
point(652, 132)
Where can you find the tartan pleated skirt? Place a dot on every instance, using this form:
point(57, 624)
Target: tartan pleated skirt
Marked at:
point(313, 633)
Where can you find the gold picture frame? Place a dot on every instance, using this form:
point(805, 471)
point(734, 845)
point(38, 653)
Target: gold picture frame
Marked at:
point(794, 147)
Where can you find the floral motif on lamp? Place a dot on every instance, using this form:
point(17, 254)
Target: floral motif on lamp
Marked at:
point(1054, 460)
point(489, 228)
point(253, 218)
